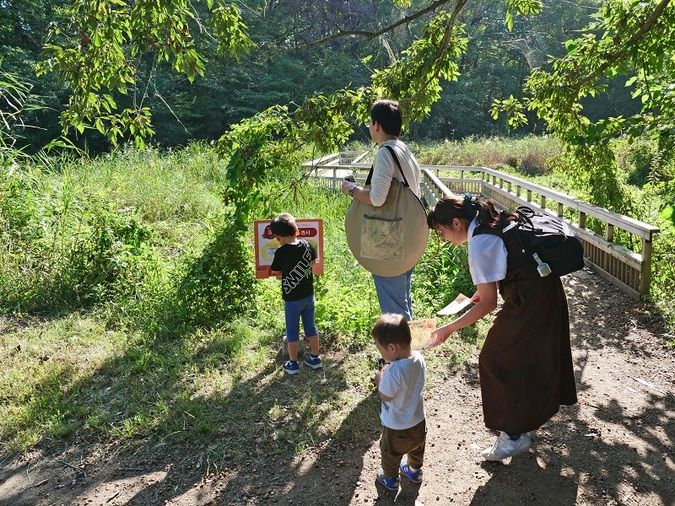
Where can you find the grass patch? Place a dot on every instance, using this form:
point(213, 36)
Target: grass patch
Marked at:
point(116, 368)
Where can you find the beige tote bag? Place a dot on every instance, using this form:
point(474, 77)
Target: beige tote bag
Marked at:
point(388, 240)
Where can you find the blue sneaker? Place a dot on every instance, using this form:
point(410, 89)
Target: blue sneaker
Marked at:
point(414, 476)
point(313, 362)
point(291, 367)
point(390, 484)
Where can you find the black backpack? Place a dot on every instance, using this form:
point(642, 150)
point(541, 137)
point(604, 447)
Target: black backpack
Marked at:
point(539, 235)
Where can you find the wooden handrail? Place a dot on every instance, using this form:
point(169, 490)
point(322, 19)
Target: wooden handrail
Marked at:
point(638, 228)
point(629, 270)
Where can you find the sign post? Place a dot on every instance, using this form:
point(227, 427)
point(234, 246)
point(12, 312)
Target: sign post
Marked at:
point(311, 230)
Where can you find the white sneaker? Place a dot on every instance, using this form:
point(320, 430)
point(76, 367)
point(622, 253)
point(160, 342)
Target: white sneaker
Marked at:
point(504, 447)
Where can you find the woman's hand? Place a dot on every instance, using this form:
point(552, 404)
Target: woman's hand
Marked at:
point(348, 187)
point(439, 336)
point(476, 298)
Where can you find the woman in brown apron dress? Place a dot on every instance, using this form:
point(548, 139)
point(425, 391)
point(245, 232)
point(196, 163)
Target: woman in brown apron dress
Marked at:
point(525, 365)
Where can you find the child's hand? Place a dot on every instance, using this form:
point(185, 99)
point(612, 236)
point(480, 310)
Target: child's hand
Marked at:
point(377, 376)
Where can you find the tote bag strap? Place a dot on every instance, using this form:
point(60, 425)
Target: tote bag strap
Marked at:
point(398, 164)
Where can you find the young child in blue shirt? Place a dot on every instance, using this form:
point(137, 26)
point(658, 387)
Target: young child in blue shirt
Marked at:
point(293, 260)
point(400, 384)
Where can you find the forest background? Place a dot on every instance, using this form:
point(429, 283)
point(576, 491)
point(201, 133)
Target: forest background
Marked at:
point(125, 272)
point(289, 67)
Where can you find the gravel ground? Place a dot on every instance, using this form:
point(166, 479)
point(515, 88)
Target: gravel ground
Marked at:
point(614, 447)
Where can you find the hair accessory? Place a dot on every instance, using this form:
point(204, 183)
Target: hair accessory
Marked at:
point(469, 205)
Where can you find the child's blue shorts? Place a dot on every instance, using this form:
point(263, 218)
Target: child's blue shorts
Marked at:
point(296, 309)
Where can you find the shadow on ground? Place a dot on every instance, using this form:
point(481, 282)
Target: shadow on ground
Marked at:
point(265, 441)
point(573, 461)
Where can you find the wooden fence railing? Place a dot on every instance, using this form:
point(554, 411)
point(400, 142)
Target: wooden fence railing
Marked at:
point(628, 268)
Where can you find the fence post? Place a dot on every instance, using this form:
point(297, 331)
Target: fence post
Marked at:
point(646, 266)
point(609, 232)
point(560, 210)
point(582, 219)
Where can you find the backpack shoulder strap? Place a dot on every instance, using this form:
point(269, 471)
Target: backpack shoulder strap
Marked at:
point(516, 251)
point(398, 164)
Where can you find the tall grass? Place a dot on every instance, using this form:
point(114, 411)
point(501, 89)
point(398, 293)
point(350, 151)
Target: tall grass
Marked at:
point(90, 232)
point(96, 265)
point(96, 259)
point(530, 155)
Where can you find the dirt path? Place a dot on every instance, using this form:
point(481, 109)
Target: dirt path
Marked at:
point(614, 447)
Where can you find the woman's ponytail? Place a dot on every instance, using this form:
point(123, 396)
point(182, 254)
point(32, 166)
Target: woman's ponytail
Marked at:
point(468, 207)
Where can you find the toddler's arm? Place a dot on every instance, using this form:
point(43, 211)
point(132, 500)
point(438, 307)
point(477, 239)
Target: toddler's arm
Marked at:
point(378, 379)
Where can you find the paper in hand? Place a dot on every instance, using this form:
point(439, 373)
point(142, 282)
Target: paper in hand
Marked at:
point(420, 332)
point(461, 302)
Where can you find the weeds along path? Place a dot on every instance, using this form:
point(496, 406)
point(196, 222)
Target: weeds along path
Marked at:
point(614, 447)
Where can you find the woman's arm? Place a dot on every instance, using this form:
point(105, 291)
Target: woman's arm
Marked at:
point(486, 303)
point(383, 172)
point(358, 193)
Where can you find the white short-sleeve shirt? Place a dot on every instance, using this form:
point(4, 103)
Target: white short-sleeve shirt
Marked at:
point(403, 381)
point(487, 256)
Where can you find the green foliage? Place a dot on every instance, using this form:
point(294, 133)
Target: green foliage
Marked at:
point(522, 7)
point(16, 101)
point(512, 107)
point(60, 252)
point(656, 204)
point(98, 61)
point(229, 30)
point(530, 155)
point(628, 37)
point(415, 79)
point(164, 349)
point(441, 275)
point(104, 232)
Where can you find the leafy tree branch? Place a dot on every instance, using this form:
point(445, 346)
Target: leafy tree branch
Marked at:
point(631, 38)
point(369, 35)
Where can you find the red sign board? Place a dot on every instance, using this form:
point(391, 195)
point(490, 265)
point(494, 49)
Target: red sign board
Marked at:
point(310, 230)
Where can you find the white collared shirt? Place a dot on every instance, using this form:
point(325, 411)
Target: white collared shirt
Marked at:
point(487, 256)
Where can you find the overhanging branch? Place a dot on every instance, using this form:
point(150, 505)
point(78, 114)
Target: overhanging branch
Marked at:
point(368, 35)
point(621, 51)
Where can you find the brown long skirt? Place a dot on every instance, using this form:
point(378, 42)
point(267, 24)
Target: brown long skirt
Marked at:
point(526, 369)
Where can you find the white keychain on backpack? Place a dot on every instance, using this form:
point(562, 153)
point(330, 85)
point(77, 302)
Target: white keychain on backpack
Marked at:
point(542, 267)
